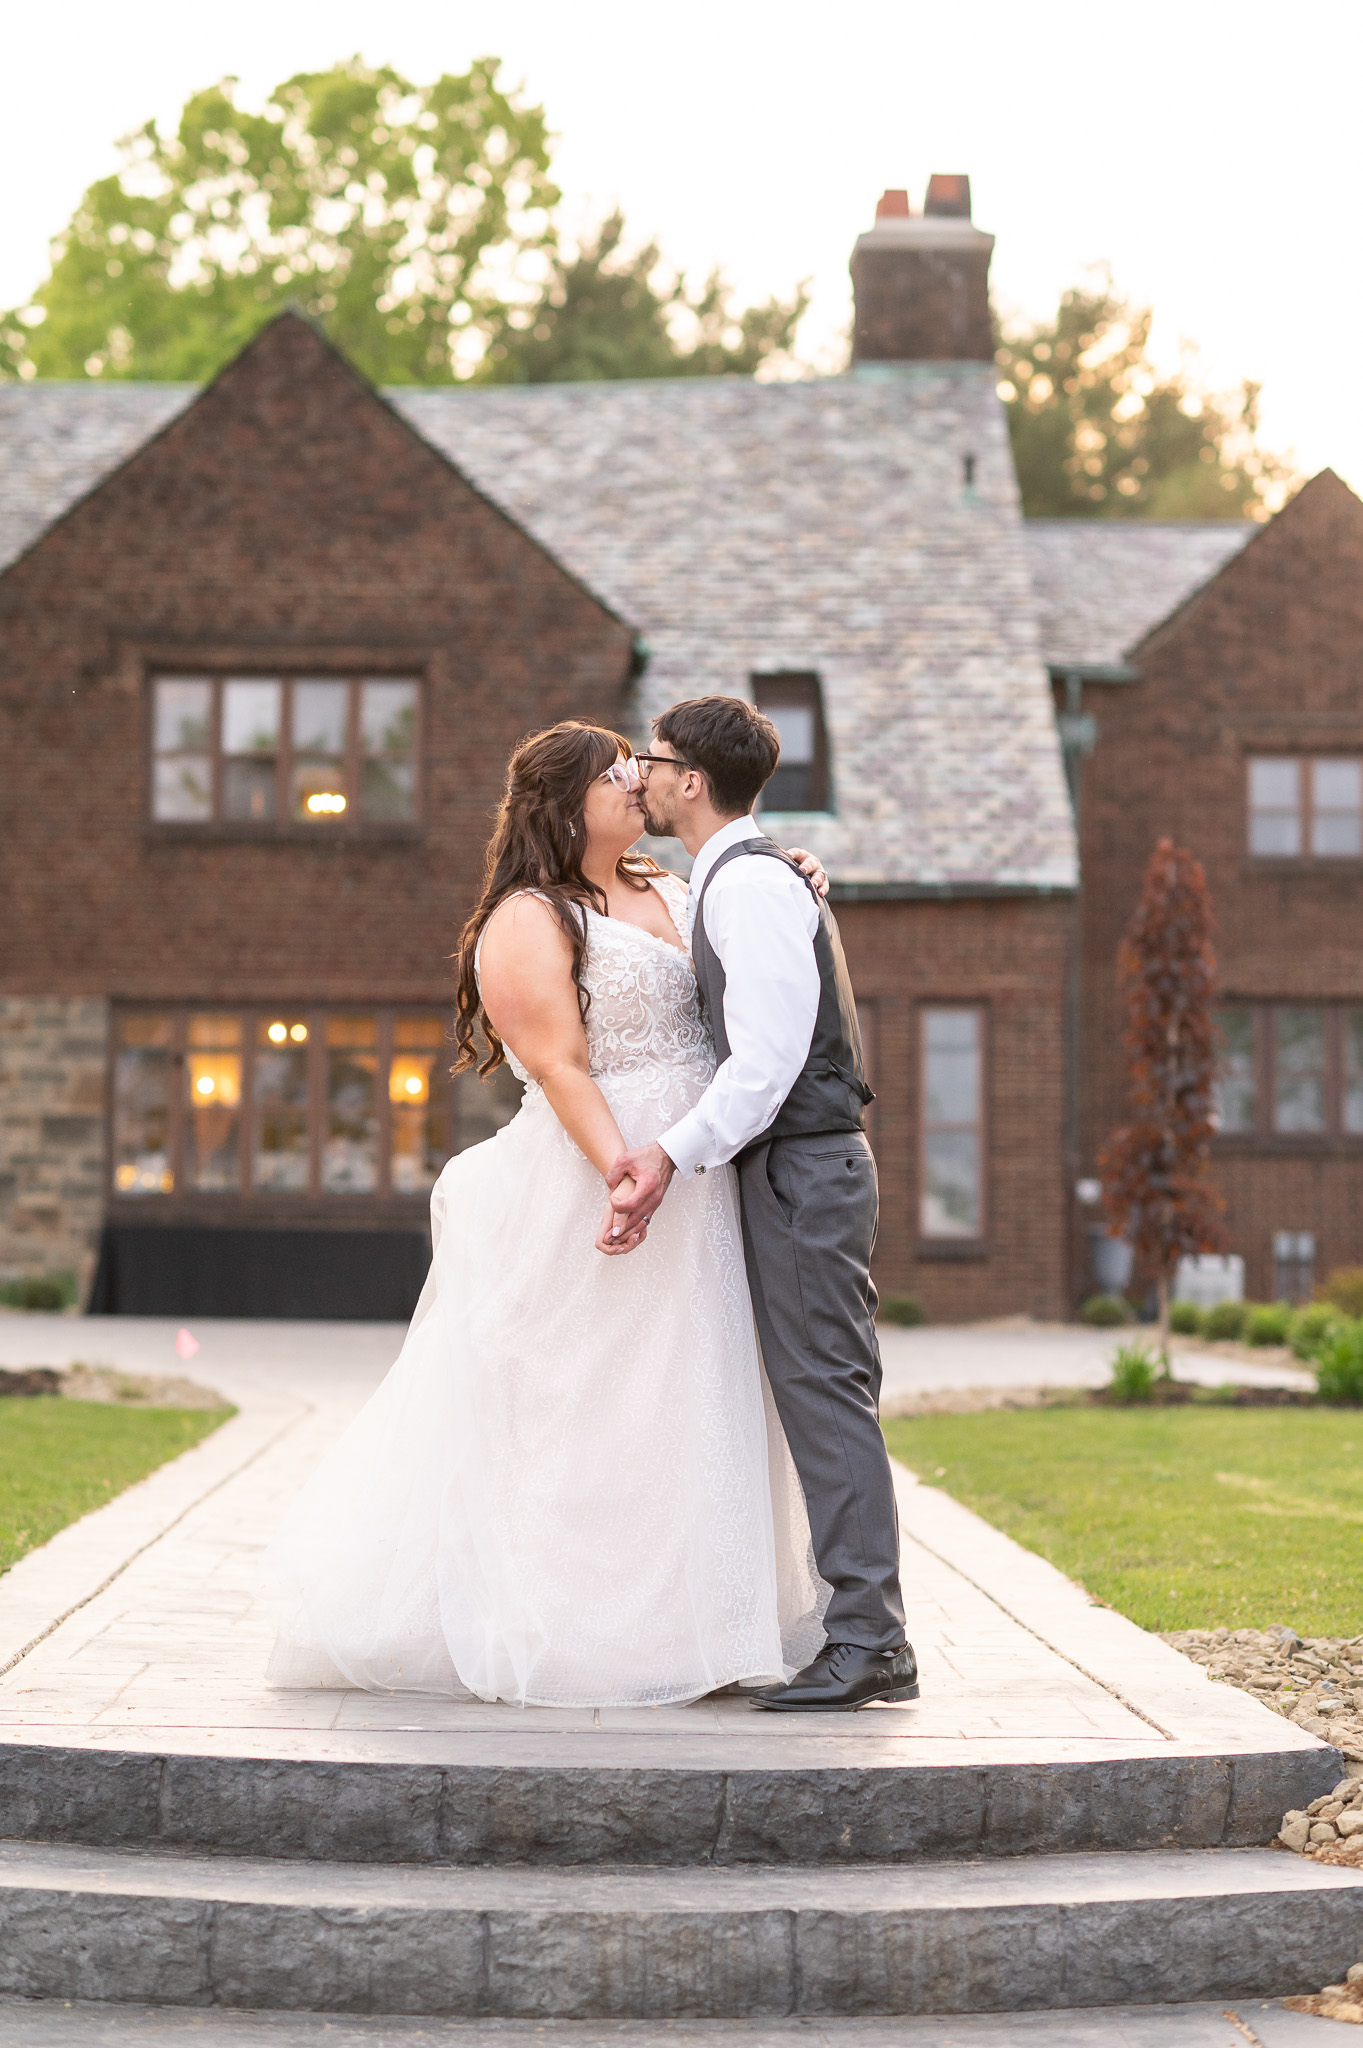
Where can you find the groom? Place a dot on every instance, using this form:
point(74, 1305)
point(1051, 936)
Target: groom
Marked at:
point(787, 1105)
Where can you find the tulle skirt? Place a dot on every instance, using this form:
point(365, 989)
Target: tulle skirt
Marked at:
point(572, 1488)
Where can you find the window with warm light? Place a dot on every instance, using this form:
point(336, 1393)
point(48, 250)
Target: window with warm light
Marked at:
point(291, 1105)
point(299, 750)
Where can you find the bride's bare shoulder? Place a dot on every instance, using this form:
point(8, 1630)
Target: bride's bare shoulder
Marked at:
point(522, 929)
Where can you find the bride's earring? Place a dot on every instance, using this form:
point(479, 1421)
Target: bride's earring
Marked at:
point(572, 831)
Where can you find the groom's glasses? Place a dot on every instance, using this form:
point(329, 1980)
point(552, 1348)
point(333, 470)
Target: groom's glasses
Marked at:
point(648, 762)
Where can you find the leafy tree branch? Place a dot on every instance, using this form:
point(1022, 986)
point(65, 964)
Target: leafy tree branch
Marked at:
point(1097, 432)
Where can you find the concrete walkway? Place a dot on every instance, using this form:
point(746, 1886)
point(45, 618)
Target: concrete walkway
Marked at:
point(143, 1622)
point(135, 1721)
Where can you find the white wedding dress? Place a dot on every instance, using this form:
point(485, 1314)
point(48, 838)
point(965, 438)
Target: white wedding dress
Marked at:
point(572, 1489)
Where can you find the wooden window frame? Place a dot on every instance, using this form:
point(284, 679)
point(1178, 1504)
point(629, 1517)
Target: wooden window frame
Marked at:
point(352, 824)
point(1306, 765)
point(1265, 1136)
point(927, 1246)
point(800, 689)
point(295, 1204)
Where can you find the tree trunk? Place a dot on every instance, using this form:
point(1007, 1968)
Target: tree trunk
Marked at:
point(1164, 1324)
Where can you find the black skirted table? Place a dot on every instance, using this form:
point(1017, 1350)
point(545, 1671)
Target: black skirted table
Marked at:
point(322, 1275)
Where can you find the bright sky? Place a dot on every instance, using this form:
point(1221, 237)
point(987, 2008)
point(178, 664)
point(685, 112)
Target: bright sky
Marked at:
point(1209, 149)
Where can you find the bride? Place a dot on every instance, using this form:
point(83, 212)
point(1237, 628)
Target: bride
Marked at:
point(571, 1490)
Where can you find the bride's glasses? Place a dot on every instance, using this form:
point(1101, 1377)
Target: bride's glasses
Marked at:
point(624, 774)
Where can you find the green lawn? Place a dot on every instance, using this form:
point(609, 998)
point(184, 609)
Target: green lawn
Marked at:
point(59, 1459)
point(1205, 1517)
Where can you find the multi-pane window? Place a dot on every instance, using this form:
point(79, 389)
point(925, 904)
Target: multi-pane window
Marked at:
point(292, 1103)
point(793, 702)
point(1290, 1070)
point(1306, 806)
point(951, 1143)
point(1237, 1090)
point(304, 750)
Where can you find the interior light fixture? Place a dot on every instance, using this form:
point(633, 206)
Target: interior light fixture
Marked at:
point(413, 1084)
point(298, 1033)
point(204, 1084)
point(277, 1033)
point(326, 801)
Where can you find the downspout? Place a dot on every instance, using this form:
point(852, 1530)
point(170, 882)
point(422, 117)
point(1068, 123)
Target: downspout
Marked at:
point(1078, 732)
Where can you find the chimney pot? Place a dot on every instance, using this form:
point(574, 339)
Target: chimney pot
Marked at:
point(921, 281)
point(948, 195)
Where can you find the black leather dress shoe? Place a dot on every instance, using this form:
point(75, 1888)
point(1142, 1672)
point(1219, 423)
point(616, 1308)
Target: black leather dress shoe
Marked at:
point(844, 1677)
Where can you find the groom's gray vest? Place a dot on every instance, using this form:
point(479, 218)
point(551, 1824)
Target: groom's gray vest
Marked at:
point(830, 1092)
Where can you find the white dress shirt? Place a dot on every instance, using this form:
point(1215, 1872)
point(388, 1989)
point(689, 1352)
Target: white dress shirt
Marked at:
point(760, 919)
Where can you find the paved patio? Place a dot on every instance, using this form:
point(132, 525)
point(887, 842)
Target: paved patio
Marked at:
point(143, 1623)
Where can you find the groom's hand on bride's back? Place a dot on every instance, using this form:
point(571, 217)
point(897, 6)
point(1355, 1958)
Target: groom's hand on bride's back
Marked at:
point(810, 864)
point(638, 1181)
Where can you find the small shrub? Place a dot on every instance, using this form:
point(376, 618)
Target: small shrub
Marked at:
point(901, 1308)
point(1185, 1318)
point(1105, 1311)
point(1268, 1322)
point(1344, 1288)
point(35, 1291)
point(1312, 1326)
point(1339, 1369)
point(1224, 1321)
point(1134, 1372)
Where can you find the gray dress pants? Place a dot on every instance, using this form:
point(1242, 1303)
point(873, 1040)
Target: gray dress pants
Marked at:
point(810, 1207)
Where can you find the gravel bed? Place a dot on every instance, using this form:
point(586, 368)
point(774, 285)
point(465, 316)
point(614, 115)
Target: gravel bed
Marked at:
point(1317, 1683)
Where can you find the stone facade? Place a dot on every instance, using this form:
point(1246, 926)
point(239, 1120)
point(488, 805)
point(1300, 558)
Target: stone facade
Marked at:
point(1266, 659)
point(53, 1063)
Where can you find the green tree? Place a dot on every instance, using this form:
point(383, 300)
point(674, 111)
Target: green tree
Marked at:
point(1097, 433)
point(606, 313)
point(389, 211)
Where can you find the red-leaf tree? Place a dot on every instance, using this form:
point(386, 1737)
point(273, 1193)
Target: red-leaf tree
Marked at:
point(1157, 1187)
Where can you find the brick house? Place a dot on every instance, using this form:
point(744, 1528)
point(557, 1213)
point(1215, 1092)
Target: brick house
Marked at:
point(1232, 719)
point(264, 649)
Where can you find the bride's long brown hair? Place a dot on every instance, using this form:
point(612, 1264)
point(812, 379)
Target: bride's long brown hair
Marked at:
point(538, 843)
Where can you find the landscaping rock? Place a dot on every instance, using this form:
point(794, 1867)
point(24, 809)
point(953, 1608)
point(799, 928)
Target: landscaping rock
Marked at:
point(1318, 1685)
point(1337, 2001)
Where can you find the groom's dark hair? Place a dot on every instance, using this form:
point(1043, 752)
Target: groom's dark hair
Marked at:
point(734, 747)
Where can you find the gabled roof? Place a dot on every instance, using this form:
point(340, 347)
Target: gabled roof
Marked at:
point(825, 525)
point(57, 441)
point(743, 528)
point(1103, 584)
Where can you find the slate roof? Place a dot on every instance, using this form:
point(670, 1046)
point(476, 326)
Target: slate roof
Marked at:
point(58, 440)
point(745, 527)
point(815, 525)
point(1101, 584)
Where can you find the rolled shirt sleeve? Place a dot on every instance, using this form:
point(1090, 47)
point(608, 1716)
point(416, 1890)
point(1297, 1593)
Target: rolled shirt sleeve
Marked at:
point(761, 920)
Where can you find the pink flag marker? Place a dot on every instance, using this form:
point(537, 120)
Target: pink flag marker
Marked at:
point(185, 1344)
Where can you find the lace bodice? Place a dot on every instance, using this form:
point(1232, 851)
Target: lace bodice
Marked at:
point(644, 1020)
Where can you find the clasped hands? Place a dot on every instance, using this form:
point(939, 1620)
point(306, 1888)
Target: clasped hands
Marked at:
point(638, 1181)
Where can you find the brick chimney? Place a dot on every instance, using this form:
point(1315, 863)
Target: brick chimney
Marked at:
point(921, 281)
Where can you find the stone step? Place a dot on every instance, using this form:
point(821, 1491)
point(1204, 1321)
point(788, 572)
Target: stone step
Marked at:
point(679, 1803)
point(644, 1944)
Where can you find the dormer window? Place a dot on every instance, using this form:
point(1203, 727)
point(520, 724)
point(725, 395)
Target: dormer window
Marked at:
point(793, 701)
point(307, 751)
